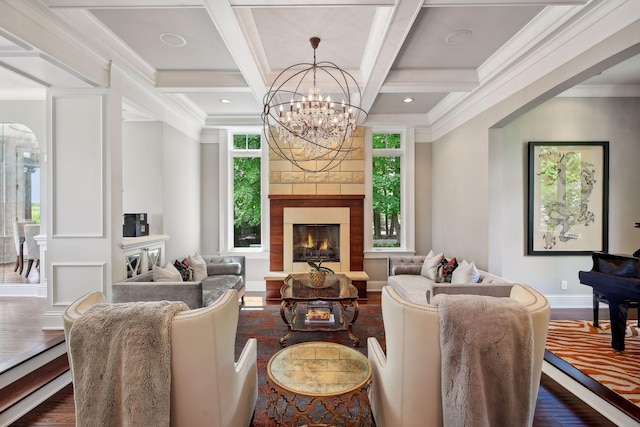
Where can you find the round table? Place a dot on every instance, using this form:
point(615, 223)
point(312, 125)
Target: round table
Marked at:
point(318, 384)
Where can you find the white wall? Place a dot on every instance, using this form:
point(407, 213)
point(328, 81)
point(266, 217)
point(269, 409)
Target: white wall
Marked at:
point(142, 180)
point(473, 179)
point(181, 193)
point(161, 176)
point(210, 194)
point(84, 192)
point(423, 205)
point(570, 119)
point(460, 188)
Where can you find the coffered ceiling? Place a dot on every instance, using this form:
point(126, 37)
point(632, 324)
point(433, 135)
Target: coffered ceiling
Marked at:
point(200, 52)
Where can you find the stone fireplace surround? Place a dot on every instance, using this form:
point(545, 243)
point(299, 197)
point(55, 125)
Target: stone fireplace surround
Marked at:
point(315, 215)
point(355, 229)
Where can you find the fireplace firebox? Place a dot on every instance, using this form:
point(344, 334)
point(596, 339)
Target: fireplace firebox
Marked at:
point(316, 242)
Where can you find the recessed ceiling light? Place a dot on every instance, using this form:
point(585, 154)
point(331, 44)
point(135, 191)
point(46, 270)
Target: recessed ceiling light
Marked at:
point(458, 37)
point(407, 100)
point(225, 101)
point(173, 40)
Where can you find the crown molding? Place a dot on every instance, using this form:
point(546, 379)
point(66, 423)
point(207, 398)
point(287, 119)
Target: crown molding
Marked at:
point(23, 94)
point(233, 121)
point(582, 29)
point(201, 81)
point(602, 91)
point(34, 23)
point(90, 31)
point(171, 109)
point(430, 81)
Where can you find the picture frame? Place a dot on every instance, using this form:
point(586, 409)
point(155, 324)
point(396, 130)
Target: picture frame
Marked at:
point(568, 198)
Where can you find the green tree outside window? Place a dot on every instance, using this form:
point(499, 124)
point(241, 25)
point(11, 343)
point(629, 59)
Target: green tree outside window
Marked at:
point(247, 198)
point(386, 192)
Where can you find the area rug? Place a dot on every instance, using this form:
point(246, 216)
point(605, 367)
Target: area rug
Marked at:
point(265, 324)
point(588, 349)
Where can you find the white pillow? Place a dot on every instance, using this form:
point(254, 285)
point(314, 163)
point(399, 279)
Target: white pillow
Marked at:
point(430, 266)
point(199, 266)
point(167, 274)
point(465, 273)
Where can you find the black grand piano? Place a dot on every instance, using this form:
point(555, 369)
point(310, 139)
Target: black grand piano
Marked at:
point(615, 280)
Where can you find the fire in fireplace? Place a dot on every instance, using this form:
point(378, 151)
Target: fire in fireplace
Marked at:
point(316, 242)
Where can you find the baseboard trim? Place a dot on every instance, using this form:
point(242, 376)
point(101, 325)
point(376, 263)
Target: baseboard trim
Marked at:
point(22, 290)
point(570, 301)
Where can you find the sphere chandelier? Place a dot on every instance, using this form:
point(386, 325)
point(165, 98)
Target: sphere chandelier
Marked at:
point(313, 131)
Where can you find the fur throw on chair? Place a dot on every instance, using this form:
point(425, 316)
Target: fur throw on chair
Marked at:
point(120, 357)
point(487, 360)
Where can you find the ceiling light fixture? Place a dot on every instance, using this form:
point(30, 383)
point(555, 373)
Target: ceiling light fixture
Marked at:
point(173, 40)
point(311, 130)
point(225, 101)
point(407, 100)
point(458, 37)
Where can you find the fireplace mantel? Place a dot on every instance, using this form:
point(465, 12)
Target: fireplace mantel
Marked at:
point(355, 203)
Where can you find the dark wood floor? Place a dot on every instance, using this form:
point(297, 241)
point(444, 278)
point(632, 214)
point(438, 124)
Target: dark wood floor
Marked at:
point(555, 406)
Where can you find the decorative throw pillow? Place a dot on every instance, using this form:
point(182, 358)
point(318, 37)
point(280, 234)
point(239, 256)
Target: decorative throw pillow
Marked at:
point(167, 274)
point(430, 266)
point(414, 269)
point(199, 267)
point(466, 273)
point(446, 269)
point(185, 271)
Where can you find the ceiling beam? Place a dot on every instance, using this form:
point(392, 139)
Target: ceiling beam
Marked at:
point(430, 81)
point(387, 35)
point(452, 3)
point(311, 3)
point(200, 81)
point(231, 33)
point(122, 4)
point(138, 4)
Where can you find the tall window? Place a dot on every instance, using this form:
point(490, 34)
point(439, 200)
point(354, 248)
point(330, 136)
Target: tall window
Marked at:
point(247, 196)
point(386, 180)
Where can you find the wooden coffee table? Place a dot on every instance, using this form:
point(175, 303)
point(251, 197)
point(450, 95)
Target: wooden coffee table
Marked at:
point(339, 294)
point(318, 383)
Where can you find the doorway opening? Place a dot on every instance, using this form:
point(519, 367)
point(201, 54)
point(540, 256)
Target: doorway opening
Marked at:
point(19, 203)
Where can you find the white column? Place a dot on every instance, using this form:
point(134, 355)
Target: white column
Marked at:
point(84, 142)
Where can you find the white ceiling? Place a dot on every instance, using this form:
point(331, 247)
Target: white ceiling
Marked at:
point(424, 49)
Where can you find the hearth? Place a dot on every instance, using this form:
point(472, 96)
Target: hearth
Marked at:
point(316, 242)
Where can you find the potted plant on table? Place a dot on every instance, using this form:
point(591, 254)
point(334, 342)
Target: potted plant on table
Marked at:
point(318, 273)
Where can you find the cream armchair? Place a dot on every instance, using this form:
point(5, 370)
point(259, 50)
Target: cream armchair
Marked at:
point(208, 388)
point(406, 386)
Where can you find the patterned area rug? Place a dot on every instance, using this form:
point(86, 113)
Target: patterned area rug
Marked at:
point(266, 325)
point(588, 349)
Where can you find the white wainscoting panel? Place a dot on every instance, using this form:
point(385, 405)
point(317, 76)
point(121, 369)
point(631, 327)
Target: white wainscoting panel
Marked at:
point(78, 132)
point(72, 280)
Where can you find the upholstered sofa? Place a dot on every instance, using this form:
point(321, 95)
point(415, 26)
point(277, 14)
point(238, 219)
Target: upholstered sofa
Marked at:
point(406, 389)
point(223, 273)
point(406, 276)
